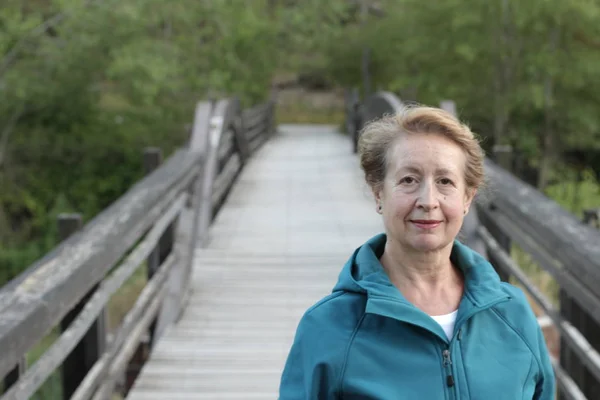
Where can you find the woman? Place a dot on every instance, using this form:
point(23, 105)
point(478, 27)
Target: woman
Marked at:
point(415, 313)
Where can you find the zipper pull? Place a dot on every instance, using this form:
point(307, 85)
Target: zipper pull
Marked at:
point(448, 363)
point(447, 360)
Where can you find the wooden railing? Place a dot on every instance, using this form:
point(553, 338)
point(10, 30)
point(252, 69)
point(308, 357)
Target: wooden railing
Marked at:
point(515, 213)
point(159, 222)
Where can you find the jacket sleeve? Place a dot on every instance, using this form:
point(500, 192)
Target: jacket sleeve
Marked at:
point(545, 387)
point(312, 368)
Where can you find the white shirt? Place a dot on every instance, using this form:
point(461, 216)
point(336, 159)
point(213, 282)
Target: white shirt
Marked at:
point(446, 322)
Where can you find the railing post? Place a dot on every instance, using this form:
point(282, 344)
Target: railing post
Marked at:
point(503, 155)
point(13, 376)
point(152, 159)
point(92, 345)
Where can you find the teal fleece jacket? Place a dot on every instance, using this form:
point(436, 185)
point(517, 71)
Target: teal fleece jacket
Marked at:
point(366, 341)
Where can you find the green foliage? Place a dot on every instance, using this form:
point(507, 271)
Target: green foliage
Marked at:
point(86, 85)
point(576, 193)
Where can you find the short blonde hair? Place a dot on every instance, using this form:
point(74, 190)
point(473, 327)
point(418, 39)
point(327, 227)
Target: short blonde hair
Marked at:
point(378, 136)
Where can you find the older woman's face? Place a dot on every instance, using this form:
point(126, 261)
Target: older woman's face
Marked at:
point(424, 196)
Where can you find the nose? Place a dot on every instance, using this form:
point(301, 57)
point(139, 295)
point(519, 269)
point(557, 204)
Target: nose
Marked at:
point(427, 199)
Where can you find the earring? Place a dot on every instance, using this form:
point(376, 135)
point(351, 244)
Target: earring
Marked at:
point(466, 211)
point(380, 207)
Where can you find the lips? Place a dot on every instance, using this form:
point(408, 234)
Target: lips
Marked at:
point(426, 223)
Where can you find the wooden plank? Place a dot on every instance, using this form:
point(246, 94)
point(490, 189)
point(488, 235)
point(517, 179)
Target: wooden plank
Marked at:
point(51, 359)
point(225, 180)
point(210, 169)
point(257, 130)
point(36, 302)
point(559, 232)
point(100, 369)
point(79, 361)
point(567, 387)
point(585, 297)
point(226, 148)
point(200, 129)
point(257, 142)
point(129, 346)
point(247, 298)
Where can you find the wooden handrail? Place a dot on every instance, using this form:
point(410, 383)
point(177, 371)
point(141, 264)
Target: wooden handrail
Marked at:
point(191, 185)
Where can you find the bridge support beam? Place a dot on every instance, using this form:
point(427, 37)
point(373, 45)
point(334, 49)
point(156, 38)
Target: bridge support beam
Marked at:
point(92, 345)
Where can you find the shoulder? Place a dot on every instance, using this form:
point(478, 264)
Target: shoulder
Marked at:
point(320, 345)
point(333, 316)
point(519, 316)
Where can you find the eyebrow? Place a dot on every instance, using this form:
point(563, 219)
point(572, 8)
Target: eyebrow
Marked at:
point(417, 170)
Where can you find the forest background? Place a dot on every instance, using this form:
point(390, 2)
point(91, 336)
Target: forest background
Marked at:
point(85, 85)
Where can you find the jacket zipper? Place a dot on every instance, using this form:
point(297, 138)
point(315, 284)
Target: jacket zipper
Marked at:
point(447, 355)
point(448, 368)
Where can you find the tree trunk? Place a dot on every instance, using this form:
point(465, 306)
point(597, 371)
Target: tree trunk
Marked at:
point(548, 145)
point(503, 78)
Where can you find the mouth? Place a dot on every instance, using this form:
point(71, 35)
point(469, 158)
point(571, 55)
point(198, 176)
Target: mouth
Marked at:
point(426, 223)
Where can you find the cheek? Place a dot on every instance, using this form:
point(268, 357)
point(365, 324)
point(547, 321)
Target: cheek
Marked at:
point(453, 207)
point(400, 203)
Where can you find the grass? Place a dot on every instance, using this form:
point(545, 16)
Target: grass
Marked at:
point(540, 278)
point(122, 301)
point(576, 196)
point(298, 106)
point(300, 114)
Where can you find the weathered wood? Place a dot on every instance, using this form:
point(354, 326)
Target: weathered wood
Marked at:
point(575, 340)
point(486, 217)
point(257, 130)
point(257, 274)
point(31, 308)
point(217, 124)
point(14, 375)
point(57, 352)
point(567, 387)
point(257, 142)
point(233, 121)
point(225, 181)
point(77, 364)
point(126, 351)
point(559, 232)
point(503, 155)
point(149, 293)
point(380, 103)
point(152, 159)
point(226, 148)
point(200, 128)
point(187, 231)
point(255, 115)
point(354, 118)
point(586, 298)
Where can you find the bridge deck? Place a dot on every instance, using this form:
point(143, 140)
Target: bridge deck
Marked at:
point(295, 215)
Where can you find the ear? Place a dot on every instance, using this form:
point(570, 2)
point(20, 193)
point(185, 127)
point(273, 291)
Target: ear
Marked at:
point(469, 196)
point(378, 199)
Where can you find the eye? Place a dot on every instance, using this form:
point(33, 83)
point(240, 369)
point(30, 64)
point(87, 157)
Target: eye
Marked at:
point(446, 181)
point(408, 180)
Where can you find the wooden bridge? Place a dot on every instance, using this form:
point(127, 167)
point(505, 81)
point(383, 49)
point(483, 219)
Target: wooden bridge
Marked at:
point(240, 231)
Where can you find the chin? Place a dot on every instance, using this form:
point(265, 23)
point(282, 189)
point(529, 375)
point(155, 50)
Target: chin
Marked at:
point(428, 244)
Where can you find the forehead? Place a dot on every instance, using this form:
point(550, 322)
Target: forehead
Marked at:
point(426, 152)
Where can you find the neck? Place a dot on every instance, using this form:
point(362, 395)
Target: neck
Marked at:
point(426, 279)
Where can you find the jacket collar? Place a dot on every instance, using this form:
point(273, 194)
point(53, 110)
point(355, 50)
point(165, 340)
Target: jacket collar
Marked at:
point(364, 273)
